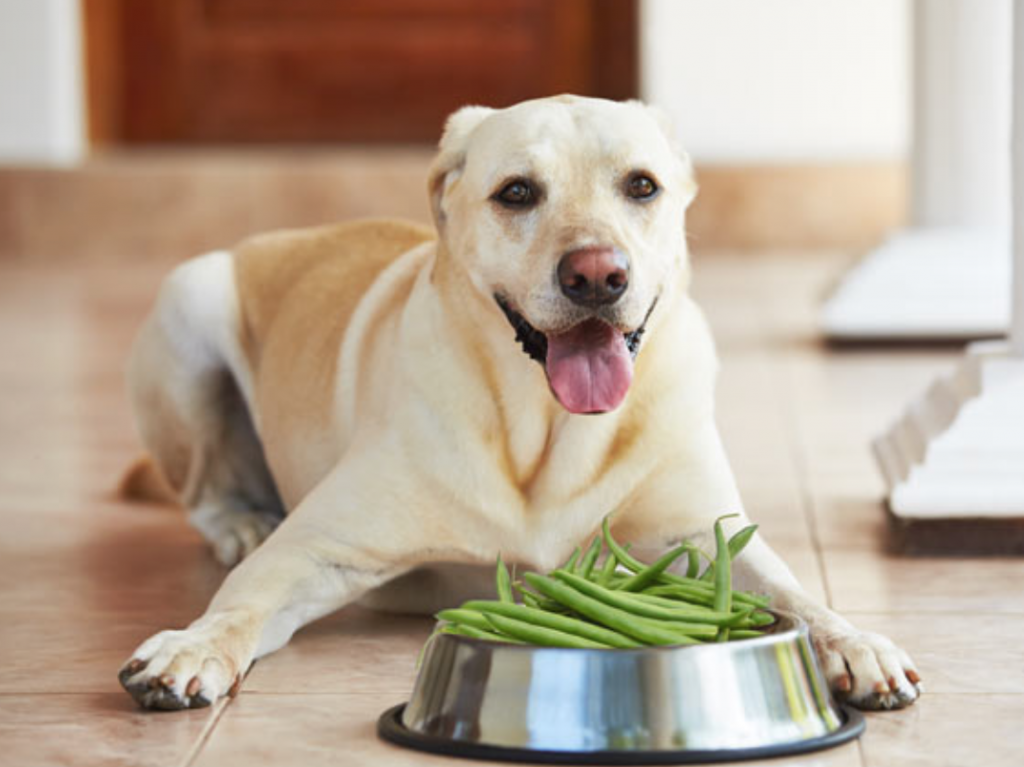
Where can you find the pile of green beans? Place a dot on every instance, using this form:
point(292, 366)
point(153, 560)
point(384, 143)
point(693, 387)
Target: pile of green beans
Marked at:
point(623, 603)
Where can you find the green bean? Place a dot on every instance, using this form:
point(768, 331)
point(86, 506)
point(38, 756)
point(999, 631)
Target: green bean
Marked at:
point(570, 563)
point(620, 552)
point(612, 617)
point(469, 631)
point(635, 565)
point(681, 593)
point(677, 580)
point(630, 602)
point(748, 623)
point(705, 595)
point(761, 618)
point(529, 598)
point(692, 562)
point(587, 564)
point(736, 544)
point(632, 606)
point(672, 604)
point(608, 569)
point(553, 621)
point(503, 583)
point(464, 617)
point(723, 577)
point(745, 633)
point(745, 597)
point(671, 579)
point(539, 635)
point(642, 579)
point(618, 578)
point(536, 600)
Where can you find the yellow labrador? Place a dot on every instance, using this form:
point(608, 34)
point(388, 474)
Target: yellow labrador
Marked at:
point(408, 402)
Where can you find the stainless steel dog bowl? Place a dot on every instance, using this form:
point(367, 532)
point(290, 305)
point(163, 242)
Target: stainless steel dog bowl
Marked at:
point(754, 698)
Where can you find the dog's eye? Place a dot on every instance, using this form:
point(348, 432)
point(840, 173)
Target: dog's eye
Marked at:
point(517, 194)
point(641, 187)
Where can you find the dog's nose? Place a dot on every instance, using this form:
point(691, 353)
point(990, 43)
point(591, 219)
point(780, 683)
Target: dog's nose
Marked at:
point(594, 276)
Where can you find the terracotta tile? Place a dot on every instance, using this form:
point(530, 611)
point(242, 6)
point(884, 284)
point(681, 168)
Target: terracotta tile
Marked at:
point(102, 730)
point(948, 731)
point(848, 399)
point(849, 511)
point(806, 567)
point(74, 607)
point(126, 566)
point(957, 653)
point(84, 578)
point(354, 651)
point(865, 581)
point(75, 651)
point(336, 730)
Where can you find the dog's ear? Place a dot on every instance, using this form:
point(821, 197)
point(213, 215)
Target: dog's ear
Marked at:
point(668, 128)
point(451, 156)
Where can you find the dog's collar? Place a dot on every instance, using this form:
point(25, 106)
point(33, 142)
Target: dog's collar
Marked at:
point(535, 343)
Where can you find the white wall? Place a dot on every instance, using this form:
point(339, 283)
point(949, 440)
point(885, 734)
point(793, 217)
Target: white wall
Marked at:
point(781, 80)
point(41, 104)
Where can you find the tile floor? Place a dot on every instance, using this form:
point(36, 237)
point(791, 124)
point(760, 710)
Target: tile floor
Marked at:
point(84, 577)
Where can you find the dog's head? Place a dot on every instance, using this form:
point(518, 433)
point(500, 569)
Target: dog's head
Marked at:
point(567, 214)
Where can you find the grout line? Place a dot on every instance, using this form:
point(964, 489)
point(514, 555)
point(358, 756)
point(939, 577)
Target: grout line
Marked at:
point(794, 445)
point(193, 753)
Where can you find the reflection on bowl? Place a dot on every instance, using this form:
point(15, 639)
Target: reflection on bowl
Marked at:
point(752, 698)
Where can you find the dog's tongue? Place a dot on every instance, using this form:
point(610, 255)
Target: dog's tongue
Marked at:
point(589, 367)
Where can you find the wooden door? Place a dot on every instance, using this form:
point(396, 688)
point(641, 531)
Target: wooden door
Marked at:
point(218, 71)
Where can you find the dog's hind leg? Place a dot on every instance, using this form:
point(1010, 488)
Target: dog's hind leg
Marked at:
point(191, 390)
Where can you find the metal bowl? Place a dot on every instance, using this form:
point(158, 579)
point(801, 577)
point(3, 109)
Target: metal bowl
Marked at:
point(754, 698)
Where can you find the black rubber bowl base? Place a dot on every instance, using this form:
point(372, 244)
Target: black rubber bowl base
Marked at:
point(391, 729)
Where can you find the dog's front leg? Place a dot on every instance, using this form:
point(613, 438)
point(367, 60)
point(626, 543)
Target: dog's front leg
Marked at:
point(327, 553)
point(683, 499)
point(864, 668)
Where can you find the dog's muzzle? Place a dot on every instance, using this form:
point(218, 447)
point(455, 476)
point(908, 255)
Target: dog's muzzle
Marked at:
point(589, 366)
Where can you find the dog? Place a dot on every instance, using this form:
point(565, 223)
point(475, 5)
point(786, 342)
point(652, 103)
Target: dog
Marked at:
point(363, 411)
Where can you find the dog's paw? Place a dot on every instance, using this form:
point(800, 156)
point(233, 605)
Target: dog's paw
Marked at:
point(179, 669)
point(233, 532)
point(868, 670)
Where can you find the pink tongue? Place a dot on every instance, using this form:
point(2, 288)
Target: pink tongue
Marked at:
point(589, 367)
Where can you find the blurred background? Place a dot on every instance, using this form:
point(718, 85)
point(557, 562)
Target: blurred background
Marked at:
point(854, 150)
point(133, 128)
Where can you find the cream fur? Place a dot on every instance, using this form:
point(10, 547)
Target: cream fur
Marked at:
point(367, 369)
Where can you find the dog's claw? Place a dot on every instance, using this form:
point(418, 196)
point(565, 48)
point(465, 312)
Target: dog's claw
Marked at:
point(867, 670)
point(890, 700)
point(180, 669)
